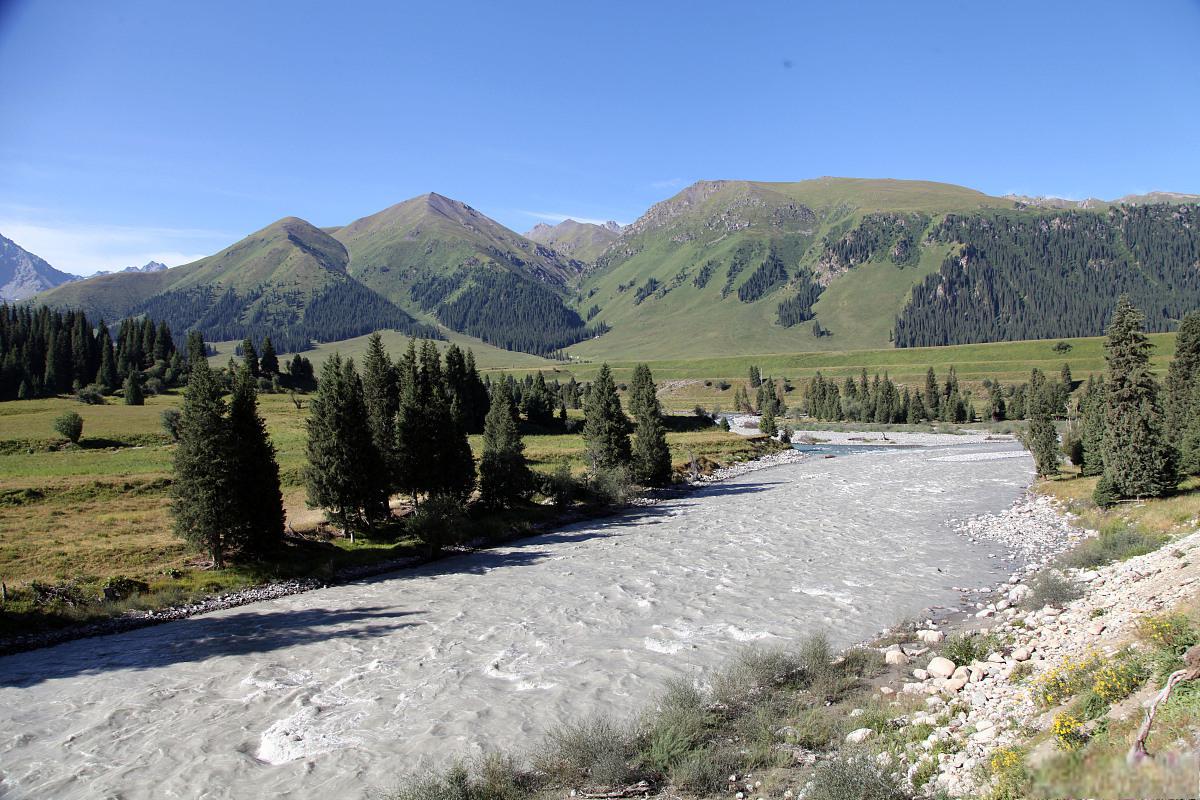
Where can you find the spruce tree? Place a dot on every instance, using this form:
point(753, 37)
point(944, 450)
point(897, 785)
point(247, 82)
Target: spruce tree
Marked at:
point(996, 406)
point(250, 356)
point(268, 362)
point(133, 389)
point(766, 421)
point(1092, 409)
point(538, 403)
point(1189, 438)
point(755, 377)
point(504, 476)
point(642, 392)
point(650, 455)
point(381, 395)
point(201, 491)
point(256, 501)
point(932, 395)
point(605, 427)
point(344, 475)
point(1181, 377)
point(197, 350)
point(1138, 460)
point(1042, 438)
point(106, 376)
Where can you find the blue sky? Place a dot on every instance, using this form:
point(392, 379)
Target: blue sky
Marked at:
point(132, 130)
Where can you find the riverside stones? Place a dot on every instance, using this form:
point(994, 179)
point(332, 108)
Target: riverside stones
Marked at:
point(941, 667)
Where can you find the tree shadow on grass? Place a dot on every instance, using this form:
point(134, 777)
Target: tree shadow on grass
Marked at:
point(197, 639)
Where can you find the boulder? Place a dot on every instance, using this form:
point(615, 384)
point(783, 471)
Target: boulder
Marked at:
point(941, 667)
point(895, 657)
point(859, 736)
point(931, 636)
point(1021, 654)
point(921, 674)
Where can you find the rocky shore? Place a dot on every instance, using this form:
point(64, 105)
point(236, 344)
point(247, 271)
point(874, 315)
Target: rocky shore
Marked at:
point(971, 709)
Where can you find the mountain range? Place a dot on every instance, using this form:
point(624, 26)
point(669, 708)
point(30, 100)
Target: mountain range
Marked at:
point(722, 267)
point(22, 274)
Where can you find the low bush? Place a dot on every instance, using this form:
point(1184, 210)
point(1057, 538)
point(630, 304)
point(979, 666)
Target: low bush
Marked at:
point(170, 422)
point(92, 395)
point(1050, 588)
point(964, 648)
point(597, 753)
point(69, 426)
point(438, 523)
point(496, 778)
point(740, 685)
point(120, 587)
point(705, 770)
point(1116, 543)
point(815, 729)
point(1172, 632)
point(611, 487)
point(853, 775)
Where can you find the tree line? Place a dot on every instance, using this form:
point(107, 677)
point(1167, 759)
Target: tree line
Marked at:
point(395, 428)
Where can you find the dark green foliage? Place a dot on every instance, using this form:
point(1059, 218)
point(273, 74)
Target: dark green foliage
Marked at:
point(651, 458)
point(92, 395)
point(256, 502)
point(51, 352)
point(510, 312)
point(433, 456)
point(799, 307)
point(504, 477)
point(764, 280)
point(766, 422)
point(1092, 407)
point(250, 356)
point(1189, 438)
point(170, 419)
point(381, 397)
point(437, 523)
point(201, 496)
point(1018, 276)
point(755, 377)
point(1138, 461)
point(133, 390)
point(538, 403)
point(345, 473)
point(268, 362)
point(1042, 439)
point(605, 429)
point(69, 426)
point(704, 275)
point(1181, 375)
point(645, 290)
point(1116, 543)
point(745, 253)
point(895, 234)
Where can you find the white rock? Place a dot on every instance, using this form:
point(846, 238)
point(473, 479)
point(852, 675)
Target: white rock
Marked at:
point(859, 736)
point(931, 636)
point(895, 657)
point(941, 667)
point(920, 674)
point(1021, 654)
point(1096, 628)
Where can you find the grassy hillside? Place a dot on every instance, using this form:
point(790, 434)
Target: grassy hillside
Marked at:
point(584, 241)
point(669, 287)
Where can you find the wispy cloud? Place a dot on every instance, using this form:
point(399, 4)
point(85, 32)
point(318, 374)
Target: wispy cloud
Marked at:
point(554, 216)
point(85, 248)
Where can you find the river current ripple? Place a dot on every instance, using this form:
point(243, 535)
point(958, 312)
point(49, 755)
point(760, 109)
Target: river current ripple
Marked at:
point(332, 692)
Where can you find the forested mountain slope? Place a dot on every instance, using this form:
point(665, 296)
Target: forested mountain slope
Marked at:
point(836, 264)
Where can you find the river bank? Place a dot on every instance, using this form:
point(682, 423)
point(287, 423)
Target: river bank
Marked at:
point(272, 590)
point(352, 685)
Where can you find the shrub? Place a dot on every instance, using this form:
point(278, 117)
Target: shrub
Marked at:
point(1009, 774)
point(153, 386)
point(740, 685)
point(69, 425)
point(815, 729)
point(120, 587)
point(967, 647)
point(611, 487)
point(1172, 632)
point(596, 752)
point(92, 395)
point(678, 726)
point(497, 778)
point(560, 486)
point(705, 770)
point(1058, 685)
point(1050, 588)
point(1105, 494)
point(853, 775)
point(1116, 543)
point(170, 422)
point(1118, 679)
point(1068, 732)
point(438, 523)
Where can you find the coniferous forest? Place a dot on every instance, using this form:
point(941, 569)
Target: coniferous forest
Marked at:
point(1014, 275)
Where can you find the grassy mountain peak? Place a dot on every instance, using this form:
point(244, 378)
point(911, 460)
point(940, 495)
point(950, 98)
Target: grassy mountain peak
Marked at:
point(584, 241)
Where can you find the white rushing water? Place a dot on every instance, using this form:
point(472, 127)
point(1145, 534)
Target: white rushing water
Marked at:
point(330, 693)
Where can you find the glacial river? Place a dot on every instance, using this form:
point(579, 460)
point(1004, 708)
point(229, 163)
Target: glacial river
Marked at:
point(335, 692)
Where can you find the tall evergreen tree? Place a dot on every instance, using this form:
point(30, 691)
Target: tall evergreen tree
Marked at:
point(1189, 438)
point(256, 503)
point(1092, 407)
point(650, 455)
point(933, 406)
point(642, 391)
point(381, 396)
point(605, 427)
point(766, 421)
point(344, 473)
point(538, 402)
point(197, 350)
point(1042, 438)
point(106, 375)
point(1138, 460)
point(250, 356)
point(504, 476)
point(201, 491)
point(268, 362)
point(1181, 377)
